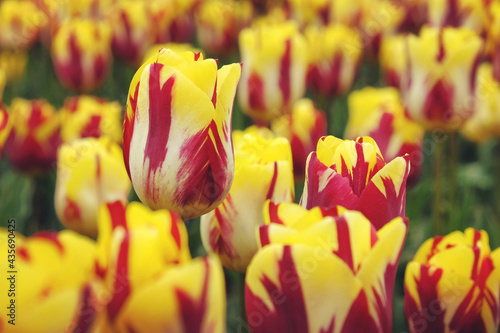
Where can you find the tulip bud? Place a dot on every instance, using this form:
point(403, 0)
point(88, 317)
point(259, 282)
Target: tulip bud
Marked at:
point(380, 114)
point(273, 78)
point(458, 13)
point(453, 285)
point(5, 126)
point(89, 172)
point(303, 128)
point(439, 86)
point(335, 52)
point(307, 260)
point(393, 67)
point(20, 23)
point(353, 174)
point(493, 37)
point(167, 292)
point(220, 36)
point(81, 53)
point(35, 135)
point(87, 116)
point(177, 132)
point(263, 171)
point(174, 20)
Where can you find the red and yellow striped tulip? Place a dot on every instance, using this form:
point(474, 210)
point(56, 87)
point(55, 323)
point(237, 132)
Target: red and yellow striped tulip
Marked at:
point(438, 89)
point(353, 174)
point(87, 116)
point(20, 23)
point(274, 75)
point(471, 14)
point(149, 283)
point(52, 283)
point(334, 55)
point(493, 37)
point(308, 260)
point(303, 127)
point(378, 113)
point(485, 122)
point(453, 285)
point(35, 135)
point(81, 53)
point(5, 126)
point(393, 67)
point(263, 171)
point(324, 12)
point(90, 172)
point(177, 132)
point(173, 20)
point(220, 36)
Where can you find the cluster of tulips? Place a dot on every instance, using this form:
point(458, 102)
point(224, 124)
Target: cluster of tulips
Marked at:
point(322, 262)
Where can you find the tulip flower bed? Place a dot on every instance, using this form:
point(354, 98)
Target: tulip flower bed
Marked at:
point(249, 166)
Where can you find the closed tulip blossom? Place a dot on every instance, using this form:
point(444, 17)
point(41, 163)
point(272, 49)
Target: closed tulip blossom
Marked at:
point(87, 116)
point(90, 172)
point(263, 170)
point(303, 127)
point(177, 132)
point(353, 174)
point(335, 52)
point(51, 284)
point(20, 24)
point(273, 77)
point(378, 113)
point(438, 89)
point(392, 67)
point(147, 281)
point(453, 285)
point(173, 20)
point(81, 53)
point(471, 14)
point(493, 37)
point(34, 137)
point(5, 126)
point(318, 273)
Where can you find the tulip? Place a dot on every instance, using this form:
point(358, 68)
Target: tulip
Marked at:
point(438, 88)
point(20, 23)
point(378, 112)
point(148, 281)
point(485, 122)
point(393, 67)
point(493, 37)
point(353, 174)
point(89, 172)
point(35, 135)
point(174, 20)
point(132, 30)
point(458, 13)
point(52, 274)
point(220, 36)
point(177, 132)
point(303, 127)
point(335, 52)
point(453, 285)
point(87, 116)
point(81, 53)
point(5, 126)
point(323, 274)
point(324, 12)
point(273, 78)
point(13, 64)
point(263, 170)
point(176, 47)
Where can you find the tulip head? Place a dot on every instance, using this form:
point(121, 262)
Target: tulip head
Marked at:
point(5, 126)
point(273, 78)
point(457, 279)
point(263, 171)
point(20, 23)
point(471, 14)
point(89, 172)
point(353, 174)
point(393, 67)
point(81, 53)
point(177, 132)
point(35, 135)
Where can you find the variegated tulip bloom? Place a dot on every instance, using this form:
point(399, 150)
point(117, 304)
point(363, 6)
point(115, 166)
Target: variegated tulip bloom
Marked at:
point(353, 174)
point(334, 55)
point(132, 30)
point(173, 20)
point(5, 126)
point(87, 116)
point(393, 59)
point(324, 12)
point(81, 53)
point(177, 132)
point(378, 113)
point(273, 77)
point(471, 14)
point(52, 284)
point(220, 36)
point(263, 171)
point(493, 37)
point(148, 281)
point(322, 274)
point(35, 135)
point(303, 127)
point(485, 122)
point(90, 172)
point(439, 86)
point(453, 285)
point(20, 23)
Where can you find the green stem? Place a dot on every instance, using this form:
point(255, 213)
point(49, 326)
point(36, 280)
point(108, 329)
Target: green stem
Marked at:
point(454, 222)
point(437, 208)
point(241, 286)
